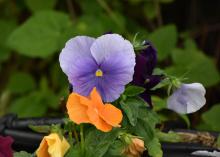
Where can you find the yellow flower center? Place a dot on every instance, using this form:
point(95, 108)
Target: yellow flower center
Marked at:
point(99, 73)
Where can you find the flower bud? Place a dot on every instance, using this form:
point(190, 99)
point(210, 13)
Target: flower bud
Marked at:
point(135, 148)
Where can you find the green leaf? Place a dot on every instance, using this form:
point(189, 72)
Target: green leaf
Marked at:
point(133, 90)
point(116, 148)
point(159, 103)
point(99, 142)
point(28, 105)
point(211, 117)
point(37, 5)
point(145, 130)
point(164, 39)
point(163, 83)
point(73, 152)
point(22, 154)
point(86, 25)
point(40, 128)
point(149, 116)
point(21, 82)
point(8, 26)
point(150, 10)
point(190, 63)
point(130, 107)
point(154, 148)
point(42, 34)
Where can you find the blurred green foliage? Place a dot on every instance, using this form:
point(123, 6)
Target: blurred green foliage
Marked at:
point(33, 33)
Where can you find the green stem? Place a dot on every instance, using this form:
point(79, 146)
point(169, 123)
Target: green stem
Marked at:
point(82, 139)
point(75, 133)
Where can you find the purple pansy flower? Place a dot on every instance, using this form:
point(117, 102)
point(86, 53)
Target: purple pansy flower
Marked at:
point(146, 61)
point(188, 98)
point(106, 63)
point(5, 146)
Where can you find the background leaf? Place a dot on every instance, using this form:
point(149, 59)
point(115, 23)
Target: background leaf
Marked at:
point(211, 118)
point(21, 82)
point(40, 36)
point(36, 5)
point(164, 39)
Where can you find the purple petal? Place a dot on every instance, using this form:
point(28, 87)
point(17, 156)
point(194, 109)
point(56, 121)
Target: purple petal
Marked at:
point(75, 48)
point(152, 81)
point(146, 61)
point(117, 72)
point(109, 44)
point(150, 53)
point(147, 97)
point(187, 99)
point(82, 75)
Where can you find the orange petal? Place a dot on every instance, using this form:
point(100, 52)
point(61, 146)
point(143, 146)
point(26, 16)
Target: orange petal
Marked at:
point(97, 121)
point(76, 110)
point(96, 99)
point(43, 149)
point(111, 115)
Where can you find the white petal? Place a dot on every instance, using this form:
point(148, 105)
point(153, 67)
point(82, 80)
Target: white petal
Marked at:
point(187, 99)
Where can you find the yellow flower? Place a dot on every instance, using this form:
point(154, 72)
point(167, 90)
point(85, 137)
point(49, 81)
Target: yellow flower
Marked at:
point(52, 146)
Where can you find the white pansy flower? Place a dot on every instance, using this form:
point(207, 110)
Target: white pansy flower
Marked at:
point(188, 98)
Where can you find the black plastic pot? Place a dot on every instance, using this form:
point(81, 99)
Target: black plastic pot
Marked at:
point(25, 139)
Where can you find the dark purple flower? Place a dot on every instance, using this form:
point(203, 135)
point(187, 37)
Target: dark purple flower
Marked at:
point(5, 146)
point(146, 61)
point(106, 63)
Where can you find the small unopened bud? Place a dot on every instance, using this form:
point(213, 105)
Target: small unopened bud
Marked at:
point(135, 148)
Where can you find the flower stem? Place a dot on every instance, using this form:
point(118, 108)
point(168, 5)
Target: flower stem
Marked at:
point(75, 133)
point(82, 139)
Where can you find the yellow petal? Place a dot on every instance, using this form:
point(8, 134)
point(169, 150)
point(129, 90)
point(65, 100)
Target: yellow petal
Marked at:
point(52, 146)
point(42, 151)
point(56, 147)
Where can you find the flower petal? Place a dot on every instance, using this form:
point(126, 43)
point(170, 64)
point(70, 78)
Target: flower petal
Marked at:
point(96, 120)
point(75, 48)
point(43, 149)
point(56, 146)
point(108, 90)
point(5, 146)
point(118, 71)
point(82, 76)
point(76, 110)
point(146, 61)
point(112, 44)
point(188, 98)
point(111, 115)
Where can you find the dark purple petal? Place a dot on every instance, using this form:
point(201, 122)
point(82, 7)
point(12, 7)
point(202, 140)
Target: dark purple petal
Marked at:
point(152, 81)
point(147, 97)
point(146, 61)
point(5, 146)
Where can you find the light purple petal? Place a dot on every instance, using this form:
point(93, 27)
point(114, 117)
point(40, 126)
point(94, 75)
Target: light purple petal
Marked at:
point(82, 75)
point(75, 48)
point(108, 90)
point(109, 44)
point(188, 98)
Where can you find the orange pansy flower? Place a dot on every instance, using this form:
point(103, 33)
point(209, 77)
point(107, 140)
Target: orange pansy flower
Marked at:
point(92, 110)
